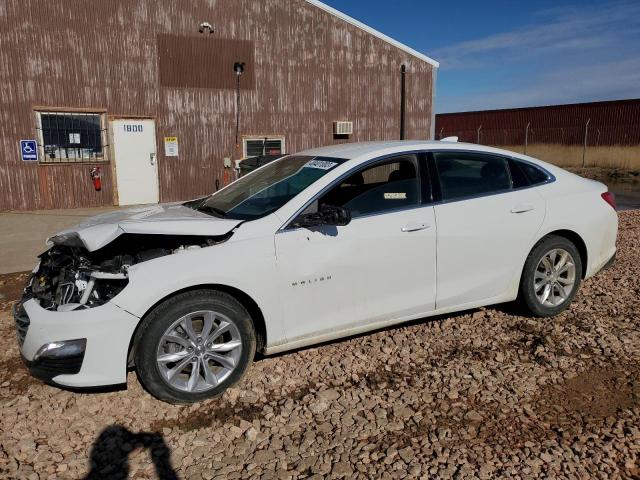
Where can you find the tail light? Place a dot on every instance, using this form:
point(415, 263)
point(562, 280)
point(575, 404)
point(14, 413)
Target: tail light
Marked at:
point(610, 199)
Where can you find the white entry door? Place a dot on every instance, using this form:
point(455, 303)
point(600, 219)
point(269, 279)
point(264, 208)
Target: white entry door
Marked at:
point(135, 156)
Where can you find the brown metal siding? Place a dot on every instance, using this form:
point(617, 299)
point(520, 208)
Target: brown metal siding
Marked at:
point(203, 62)
point(311, 69)
point(615, 122)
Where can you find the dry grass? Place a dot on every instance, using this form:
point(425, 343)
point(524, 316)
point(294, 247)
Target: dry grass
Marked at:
point(612, 156)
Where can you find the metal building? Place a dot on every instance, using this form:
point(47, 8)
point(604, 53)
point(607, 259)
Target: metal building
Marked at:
point(148, 92)
point(614, 122)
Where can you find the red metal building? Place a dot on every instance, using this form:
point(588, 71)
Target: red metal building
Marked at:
point(605, 123)
point(147, 91)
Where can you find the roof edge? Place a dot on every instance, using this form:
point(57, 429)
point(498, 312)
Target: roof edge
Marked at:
point(544, 107)
point(373, 31)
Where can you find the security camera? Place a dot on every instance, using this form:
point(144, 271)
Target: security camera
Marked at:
point(206, 26)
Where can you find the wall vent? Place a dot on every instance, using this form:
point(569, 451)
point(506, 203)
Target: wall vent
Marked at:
point(342, 128)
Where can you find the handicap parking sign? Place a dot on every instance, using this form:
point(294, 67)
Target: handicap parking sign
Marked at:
point(29, 150)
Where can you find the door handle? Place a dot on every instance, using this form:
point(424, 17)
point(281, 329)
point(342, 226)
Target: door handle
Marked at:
point(522, 208)
point(414, 227)
point(152, 158)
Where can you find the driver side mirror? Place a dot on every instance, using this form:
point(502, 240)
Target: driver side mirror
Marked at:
point(328, 215)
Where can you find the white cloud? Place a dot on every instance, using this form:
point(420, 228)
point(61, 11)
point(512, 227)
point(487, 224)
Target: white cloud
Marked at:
point(601, 81)
point(569, 55)
point(557, 31)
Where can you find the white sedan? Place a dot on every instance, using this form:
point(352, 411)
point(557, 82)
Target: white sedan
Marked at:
point(312, 247)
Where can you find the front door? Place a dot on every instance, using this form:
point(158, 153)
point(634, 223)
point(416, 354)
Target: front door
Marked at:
point(136, 165)
point(378, 268)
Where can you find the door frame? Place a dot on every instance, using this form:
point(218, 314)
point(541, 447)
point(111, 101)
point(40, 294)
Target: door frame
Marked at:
point(112, 150)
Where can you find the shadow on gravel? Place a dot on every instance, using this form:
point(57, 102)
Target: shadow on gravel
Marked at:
point(110, 454)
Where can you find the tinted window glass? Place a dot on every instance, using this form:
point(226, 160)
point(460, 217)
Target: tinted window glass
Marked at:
point(518, 178)
point(534, 174)
point(385, 186)
point(468, 174)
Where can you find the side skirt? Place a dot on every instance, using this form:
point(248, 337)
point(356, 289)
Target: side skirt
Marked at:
point(327, 336)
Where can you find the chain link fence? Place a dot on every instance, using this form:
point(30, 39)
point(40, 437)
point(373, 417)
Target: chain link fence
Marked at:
point(586, 145)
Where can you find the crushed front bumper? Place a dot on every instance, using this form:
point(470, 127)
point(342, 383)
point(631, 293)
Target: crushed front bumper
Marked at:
point(107, 330)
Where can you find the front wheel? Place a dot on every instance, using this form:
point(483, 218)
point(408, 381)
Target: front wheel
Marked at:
point(194, 346)
point(551, 276)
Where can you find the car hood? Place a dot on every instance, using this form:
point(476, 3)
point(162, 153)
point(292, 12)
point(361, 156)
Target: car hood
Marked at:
point(164, 219)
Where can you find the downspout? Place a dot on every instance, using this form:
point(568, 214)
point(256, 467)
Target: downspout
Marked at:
point(403, 99)
point(434, 78)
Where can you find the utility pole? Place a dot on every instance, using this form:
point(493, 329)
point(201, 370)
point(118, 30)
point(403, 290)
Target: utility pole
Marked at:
point(526, 138)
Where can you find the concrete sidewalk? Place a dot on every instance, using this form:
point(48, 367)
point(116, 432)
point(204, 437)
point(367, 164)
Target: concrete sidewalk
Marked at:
point(23, 234)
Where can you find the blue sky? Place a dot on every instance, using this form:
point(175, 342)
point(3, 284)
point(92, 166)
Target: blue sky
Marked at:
point(502, 54)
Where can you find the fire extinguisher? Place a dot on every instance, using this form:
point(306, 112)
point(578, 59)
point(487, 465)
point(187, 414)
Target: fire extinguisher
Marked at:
point(96, 178)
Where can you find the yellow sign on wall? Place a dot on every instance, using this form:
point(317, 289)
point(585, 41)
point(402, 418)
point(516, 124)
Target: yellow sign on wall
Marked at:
point(170, 146)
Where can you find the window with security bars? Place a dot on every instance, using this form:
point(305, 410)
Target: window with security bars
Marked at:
point(72, 137)
point(256, 147)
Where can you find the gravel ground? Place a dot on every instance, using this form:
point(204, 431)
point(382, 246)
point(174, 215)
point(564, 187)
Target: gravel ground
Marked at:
point(483, 394)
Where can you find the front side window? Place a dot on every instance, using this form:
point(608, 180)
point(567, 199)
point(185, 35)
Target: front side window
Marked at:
point(267, 189)
point(71, 137)
point(386, 186)
point(464, 175)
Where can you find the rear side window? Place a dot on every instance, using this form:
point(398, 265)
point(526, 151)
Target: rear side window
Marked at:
point(533, 173)
point(518, 177)
point(465, 175)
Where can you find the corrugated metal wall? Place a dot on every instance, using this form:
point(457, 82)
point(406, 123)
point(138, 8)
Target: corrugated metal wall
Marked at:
point(311, 69)
point(610, 123)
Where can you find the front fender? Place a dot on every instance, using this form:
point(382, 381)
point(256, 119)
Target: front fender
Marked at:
point(246, 265)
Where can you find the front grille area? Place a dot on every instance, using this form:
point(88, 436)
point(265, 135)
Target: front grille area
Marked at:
point(22, 322)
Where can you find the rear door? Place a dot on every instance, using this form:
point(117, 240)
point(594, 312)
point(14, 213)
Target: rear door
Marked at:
point(485, 227)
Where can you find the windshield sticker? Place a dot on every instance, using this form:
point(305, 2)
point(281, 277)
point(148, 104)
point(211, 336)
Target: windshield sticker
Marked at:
point(321, 164)
point(395, 196)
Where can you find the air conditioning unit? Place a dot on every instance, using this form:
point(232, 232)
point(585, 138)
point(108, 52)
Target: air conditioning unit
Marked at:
point(342, 128)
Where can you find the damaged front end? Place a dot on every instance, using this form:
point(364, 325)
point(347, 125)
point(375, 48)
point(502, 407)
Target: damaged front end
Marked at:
point(70, 277)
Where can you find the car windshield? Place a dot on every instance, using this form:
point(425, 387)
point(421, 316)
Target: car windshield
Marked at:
point(267, 189)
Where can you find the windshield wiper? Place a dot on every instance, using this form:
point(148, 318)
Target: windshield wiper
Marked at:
point(216, 211)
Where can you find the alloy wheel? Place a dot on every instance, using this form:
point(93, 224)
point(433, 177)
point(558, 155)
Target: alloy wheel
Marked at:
point(555, 277)
point(199, 351)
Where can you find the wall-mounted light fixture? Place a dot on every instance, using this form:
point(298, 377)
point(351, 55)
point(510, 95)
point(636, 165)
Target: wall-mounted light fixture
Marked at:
point(238, 67)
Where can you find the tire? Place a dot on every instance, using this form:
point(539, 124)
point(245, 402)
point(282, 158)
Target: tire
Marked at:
point(171, 361)
point(536, 273)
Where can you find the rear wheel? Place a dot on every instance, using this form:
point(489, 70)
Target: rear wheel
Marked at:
point(551, 276)
point(194, 346)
